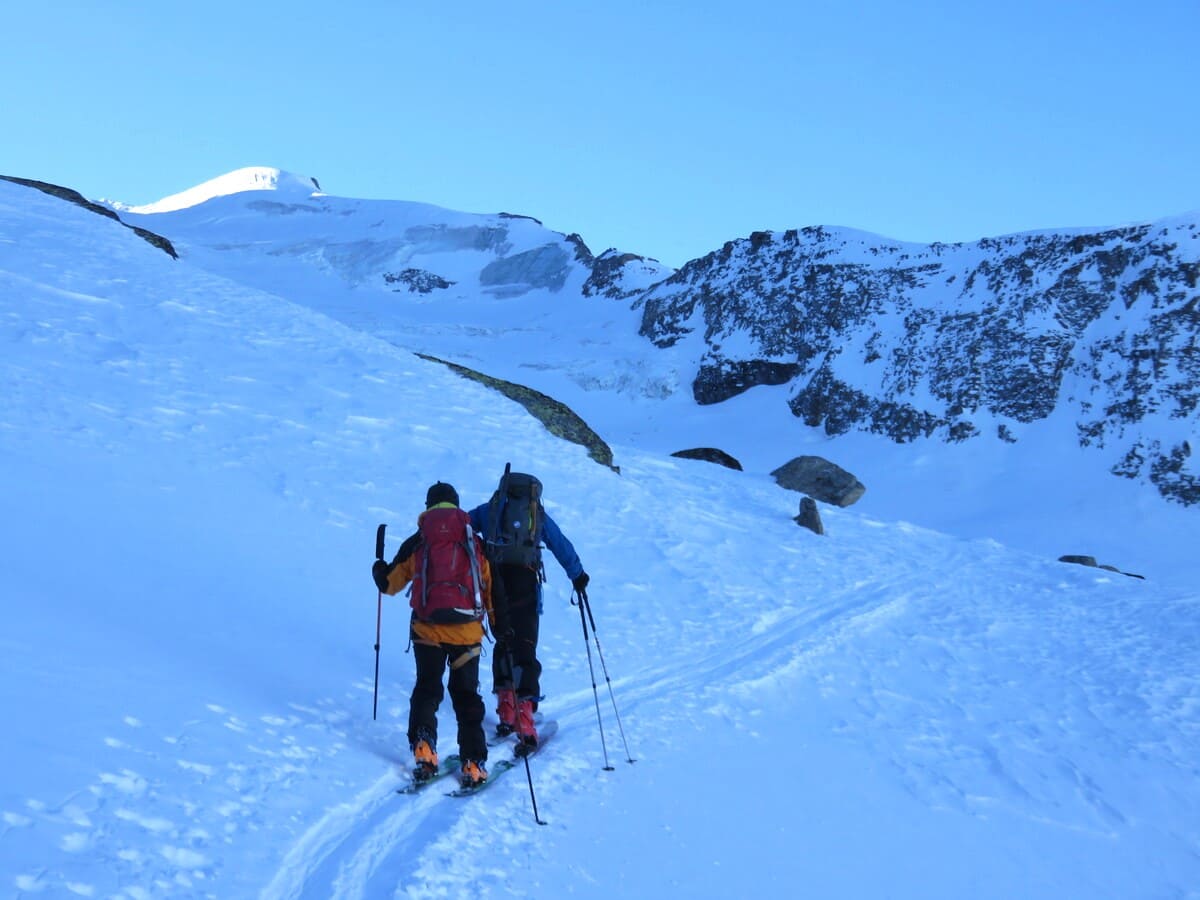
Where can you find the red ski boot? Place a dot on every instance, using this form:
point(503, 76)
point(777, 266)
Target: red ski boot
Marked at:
point(526, 733)
point(506, 709)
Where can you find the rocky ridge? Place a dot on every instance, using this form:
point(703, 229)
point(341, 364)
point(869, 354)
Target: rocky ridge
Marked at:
point(958, 342)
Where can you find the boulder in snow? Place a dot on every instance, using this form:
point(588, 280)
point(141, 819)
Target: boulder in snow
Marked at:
point(820, 479)
point(810, 517)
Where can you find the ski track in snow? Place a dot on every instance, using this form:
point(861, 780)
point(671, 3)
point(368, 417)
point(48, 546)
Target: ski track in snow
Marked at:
point(960, 739)
point(945, 756)
point(378, 839)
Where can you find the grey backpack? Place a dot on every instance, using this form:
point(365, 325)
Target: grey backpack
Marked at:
point(515, 521)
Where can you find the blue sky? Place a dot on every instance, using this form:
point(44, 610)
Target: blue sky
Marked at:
point(663, 129)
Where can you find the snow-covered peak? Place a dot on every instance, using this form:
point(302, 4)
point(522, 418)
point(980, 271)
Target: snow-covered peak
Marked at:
point(251, 178)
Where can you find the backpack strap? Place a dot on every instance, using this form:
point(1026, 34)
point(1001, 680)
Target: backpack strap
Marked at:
point(495, 517)
point(424, 551)
point(476, 574)
point(465, 657)
point(499, 501)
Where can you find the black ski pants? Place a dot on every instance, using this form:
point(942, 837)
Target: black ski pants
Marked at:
point(427, 693)
point(522, 587)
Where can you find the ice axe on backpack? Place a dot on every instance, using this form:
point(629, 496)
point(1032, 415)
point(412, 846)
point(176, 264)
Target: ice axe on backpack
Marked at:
point(378, 621)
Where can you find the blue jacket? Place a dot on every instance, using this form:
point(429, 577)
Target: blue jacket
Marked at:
point(548, 534)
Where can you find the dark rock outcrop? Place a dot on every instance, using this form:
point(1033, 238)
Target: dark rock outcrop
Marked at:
point(559, 419)
point(417, 281)
point(720, 379)
point(616, 275)
point(810, 516)
point(821, 479)
point(71, 196)
point(710, 454)
point(957, 342)
point(508, 215)
point(1083, 560)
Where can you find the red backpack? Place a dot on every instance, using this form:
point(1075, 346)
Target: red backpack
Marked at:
point(447, 587)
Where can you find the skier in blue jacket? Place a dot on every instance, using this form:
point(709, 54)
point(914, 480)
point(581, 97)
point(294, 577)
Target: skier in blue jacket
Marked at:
point(514, 528)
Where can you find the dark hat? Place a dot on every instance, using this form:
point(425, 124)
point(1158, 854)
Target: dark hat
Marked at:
point(440, 492)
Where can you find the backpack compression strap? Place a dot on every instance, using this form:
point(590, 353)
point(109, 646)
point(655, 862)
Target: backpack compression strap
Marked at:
point(496, 510)
point(476, 575)
point(424, 550)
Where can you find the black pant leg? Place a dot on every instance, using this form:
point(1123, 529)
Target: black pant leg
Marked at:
point(468, 705)
point(501, 670)
point(528, 669)
point(521, 589)
point(427, 693)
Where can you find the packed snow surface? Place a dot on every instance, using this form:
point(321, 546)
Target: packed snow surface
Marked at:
point(193, 470)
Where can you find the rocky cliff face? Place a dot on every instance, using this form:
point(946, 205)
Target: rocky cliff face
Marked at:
point(961, 341)
point(614, 274)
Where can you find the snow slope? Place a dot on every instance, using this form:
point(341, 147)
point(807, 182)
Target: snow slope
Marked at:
point(192, 472)
point(515, 306)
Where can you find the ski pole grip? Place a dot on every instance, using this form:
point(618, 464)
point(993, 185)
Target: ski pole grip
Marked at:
point(379, 541)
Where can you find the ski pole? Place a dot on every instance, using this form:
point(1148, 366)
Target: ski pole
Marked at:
point(587, 645)
point(528, 772)
point(600, 652)
point(378, 621)
point(532, 799)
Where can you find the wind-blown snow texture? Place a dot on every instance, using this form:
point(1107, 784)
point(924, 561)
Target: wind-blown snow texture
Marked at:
point(194, 458)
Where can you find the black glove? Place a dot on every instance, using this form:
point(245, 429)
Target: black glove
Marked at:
point(580, 583)
point(380, 572)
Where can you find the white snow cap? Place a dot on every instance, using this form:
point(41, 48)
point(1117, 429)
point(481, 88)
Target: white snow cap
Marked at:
point(251, 178)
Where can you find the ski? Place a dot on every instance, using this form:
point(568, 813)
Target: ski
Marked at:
point(495, 738)
point(448, 766)
point(501, 766)
point(494, 772)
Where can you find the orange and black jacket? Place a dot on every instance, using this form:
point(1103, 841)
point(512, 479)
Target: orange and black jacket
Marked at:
point(462, 634)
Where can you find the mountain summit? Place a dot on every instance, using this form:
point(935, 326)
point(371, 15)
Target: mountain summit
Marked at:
point(250, 178)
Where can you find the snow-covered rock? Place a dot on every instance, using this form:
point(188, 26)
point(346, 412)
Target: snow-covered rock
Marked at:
point(961, 341)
